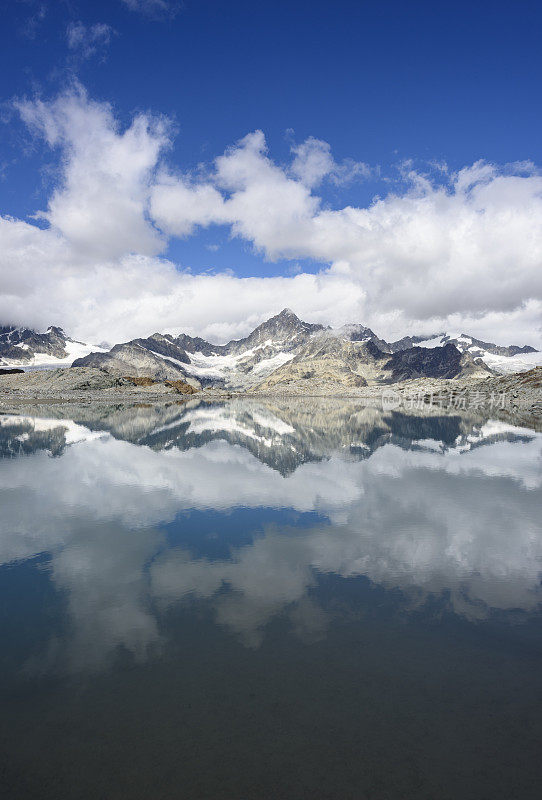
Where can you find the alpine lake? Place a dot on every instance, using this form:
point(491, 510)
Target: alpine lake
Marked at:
point(269, 599)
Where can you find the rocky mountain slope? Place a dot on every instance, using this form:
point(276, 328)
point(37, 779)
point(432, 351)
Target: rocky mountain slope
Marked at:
point(239, 363)
point(330, 360)
point(157, 356)
point(24, 347)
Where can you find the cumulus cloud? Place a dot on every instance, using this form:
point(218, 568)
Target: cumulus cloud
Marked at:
point(87, 39)
point(100, 205)
point(460, 252)
point(471, 245)
point(180, 205)
point(119, 300)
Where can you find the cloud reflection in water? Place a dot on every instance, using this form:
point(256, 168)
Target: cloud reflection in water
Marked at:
point(345, 491)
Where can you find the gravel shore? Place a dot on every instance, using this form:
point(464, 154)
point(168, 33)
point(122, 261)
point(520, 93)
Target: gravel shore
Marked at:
point(511, 394)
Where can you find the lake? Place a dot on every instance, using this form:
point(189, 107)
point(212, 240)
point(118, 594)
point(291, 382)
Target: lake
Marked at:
point(297, 599)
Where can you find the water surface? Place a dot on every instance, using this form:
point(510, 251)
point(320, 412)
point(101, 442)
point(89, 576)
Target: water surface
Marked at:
point(266, 600)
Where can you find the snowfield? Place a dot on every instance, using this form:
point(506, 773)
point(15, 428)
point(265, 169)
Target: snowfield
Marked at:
point(44, 361)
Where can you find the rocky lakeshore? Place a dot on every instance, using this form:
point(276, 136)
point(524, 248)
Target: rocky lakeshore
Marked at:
point(504, 396)
point(85, 384)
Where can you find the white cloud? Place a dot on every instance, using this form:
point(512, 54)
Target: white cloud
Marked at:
point(101, 204)
point(43, 280)
point(87, 39)
point(313, 162)
point(473, 245)
point(180, 205)
point(464, 252)
point(153, 8)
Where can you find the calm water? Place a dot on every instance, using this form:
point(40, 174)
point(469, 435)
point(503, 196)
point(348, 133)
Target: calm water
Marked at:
point(269, 601)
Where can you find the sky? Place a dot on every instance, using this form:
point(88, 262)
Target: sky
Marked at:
point(198, 166)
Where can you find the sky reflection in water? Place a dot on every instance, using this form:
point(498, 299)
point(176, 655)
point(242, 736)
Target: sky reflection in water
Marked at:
point(158, 539)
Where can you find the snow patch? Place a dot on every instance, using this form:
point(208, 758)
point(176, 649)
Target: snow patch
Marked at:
point(506, 365)
point(73, 349)
point(272, 363)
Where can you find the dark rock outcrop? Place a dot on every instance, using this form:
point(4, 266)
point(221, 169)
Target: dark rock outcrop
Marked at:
point(410, 341)
point(434, 362)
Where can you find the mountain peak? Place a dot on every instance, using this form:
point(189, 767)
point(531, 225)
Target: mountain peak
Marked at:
point(287, 312)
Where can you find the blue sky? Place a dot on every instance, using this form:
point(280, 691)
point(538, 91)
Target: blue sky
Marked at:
point(387, 84)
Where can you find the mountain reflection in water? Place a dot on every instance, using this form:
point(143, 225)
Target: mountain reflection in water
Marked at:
point(157, 538)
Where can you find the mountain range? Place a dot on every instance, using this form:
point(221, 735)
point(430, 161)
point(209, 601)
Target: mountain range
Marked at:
point(284, 351)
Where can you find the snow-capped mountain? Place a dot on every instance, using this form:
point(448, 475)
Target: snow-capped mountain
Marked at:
point(501, 359)
point(240, 362)
point(26, 348)
point(282, 351)
point(285, 350)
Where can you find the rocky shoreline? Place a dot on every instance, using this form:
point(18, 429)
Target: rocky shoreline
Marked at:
point(511, 395)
